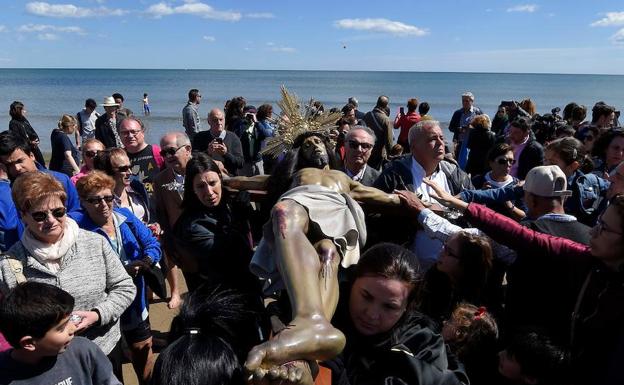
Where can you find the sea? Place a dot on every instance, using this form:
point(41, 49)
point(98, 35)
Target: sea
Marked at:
point(50, 93)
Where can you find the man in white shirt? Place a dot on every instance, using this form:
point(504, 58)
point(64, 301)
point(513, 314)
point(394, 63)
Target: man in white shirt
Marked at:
point(86, 122)
point(425, 161)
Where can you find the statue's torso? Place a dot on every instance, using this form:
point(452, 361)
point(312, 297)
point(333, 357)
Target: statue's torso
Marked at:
point(332, 179)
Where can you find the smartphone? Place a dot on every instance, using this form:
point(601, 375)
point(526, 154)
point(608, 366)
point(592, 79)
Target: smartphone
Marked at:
point(402, 111)
point(218, 140)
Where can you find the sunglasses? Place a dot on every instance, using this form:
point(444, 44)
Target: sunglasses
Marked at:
point(90, 154)
point(130, 132)
point(354, 144)
point(124, 168)
point(502, 161)
point(97, 199)
point(170, 151)
point(40, 216)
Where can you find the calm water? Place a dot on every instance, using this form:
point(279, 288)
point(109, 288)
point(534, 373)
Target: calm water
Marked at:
point(49, 93)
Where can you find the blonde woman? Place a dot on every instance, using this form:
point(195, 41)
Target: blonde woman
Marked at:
point(64, 154)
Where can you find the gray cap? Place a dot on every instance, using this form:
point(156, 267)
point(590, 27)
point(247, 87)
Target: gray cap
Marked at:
point(547, 181)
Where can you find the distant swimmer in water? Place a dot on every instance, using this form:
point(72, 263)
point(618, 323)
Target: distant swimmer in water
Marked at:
point(146, 108)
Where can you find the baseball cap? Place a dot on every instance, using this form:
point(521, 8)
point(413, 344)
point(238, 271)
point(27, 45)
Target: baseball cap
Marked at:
point(547, 181)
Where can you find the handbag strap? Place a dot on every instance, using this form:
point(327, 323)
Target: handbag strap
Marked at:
point(16, 267)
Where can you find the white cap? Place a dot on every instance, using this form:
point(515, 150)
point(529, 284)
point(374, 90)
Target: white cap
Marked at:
point(468, 94)
point(547, 181)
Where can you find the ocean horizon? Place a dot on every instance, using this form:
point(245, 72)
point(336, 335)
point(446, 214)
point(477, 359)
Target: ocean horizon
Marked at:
point(49, 93)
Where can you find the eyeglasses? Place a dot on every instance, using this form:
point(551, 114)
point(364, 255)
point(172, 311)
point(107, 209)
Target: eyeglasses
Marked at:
point(97, 199)
point(601, 226)
point(90, 154)
point(130, 132)
point(170, 151)
point(354, 144)
point(125, 168)
point(502, 161)
point(40, 216)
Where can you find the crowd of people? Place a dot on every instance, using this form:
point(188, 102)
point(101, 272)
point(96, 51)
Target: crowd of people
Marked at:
point(366, 250)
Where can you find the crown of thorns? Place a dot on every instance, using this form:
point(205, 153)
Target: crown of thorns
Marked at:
point(297, 119)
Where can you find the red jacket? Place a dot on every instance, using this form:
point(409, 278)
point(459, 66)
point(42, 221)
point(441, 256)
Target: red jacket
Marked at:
point(597, 332)
point(406, 122)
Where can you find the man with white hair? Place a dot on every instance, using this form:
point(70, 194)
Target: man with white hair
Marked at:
point(459, 126)
point(425, 161)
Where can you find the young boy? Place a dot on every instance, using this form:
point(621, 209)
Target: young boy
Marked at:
point(35, 318)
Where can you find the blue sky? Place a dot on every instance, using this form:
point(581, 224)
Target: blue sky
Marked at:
point(553, 36)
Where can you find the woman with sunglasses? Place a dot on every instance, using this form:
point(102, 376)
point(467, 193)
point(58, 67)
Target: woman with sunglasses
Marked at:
point(90, 149)
point(137, 249)
point(594, 278)
point(129, 192)
point(500, 158)
point(54, 250)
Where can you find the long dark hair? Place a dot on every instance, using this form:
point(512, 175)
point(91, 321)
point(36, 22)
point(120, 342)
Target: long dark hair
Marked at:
point(391, 261)
point(204, 347)
point(198, 164)
point(475, 260)
point(603, 142)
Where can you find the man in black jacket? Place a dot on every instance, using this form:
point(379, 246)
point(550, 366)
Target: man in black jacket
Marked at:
point(426, 161)
point(220, 144)
point(106, 124)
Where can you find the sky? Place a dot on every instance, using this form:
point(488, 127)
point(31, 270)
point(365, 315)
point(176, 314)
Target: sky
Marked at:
point(547, 36)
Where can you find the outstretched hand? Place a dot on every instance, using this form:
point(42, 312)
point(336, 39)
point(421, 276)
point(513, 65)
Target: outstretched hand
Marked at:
point(410, 201)
point(445, 198)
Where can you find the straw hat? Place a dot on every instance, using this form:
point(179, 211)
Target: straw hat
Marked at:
point(109, 101)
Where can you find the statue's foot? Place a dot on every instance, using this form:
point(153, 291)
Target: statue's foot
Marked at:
point(311, 339)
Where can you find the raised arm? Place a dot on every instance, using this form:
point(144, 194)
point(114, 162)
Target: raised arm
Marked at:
point(258, 182)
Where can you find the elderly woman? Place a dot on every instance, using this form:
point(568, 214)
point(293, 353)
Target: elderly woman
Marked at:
point(54, 250)
point(90, 149)
point(129, 192)
point(136, 248)
point(64, 154)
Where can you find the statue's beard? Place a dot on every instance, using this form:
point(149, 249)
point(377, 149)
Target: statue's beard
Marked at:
point(317, 160)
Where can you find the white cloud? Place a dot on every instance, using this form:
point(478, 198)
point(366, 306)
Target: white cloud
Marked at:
point(530, 8)
point(40, 8)
point(611, 19)
point(618, 37)
point(3, 28)
point(192, 8)
point(29, 28)
point(260, 15)
point(47, 36)
point(209, 38)
point(381, 25)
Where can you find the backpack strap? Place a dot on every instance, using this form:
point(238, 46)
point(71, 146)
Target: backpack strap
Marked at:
point(16, 267)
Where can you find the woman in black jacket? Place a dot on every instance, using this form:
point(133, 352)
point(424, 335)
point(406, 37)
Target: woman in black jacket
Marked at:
point(21, 127)
point(212, 233)
point(388, 341)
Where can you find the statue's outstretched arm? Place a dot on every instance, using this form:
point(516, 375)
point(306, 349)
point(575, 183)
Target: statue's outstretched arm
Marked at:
point(258, 182)
point(371, 195)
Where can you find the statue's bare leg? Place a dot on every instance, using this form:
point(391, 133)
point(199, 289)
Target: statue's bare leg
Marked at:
point(328, 276)
point(310, 335)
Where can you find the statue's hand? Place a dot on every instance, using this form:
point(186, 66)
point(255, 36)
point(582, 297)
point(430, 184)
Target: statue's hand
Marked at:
point(291, 373)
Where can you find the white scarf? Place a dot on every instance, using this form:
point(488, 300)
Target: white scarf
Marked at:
point(50, 254)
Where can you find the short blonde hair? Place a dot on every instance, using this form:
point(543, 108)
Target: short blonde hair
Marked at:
point(31, 188)
point(67, 124)
point(481, 121)
point(93, 182)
